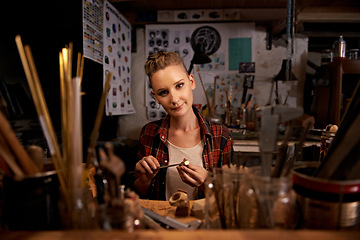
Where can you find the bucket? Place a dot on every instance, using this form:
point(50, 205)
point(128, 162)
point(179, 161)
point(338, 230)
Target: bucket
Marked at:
point(32, 203)
point(326, 204)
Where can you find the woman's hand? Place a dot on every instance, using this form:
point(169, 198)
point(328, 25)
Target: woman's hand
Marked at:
point(192, 174)
point(146, 168)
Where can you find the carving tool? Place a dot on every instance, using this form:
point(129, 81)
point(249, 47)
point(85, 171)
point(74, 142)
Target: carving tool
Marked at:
point(162, 167)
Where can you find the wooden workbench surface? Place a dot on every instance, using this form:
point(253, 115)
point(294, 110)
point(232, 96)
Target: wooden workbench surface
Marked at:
point(163, 208)
point(177, 235)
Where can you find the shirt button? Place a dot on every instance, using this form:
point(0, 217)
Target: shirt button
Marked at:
point(166, 161)
point(162, 137)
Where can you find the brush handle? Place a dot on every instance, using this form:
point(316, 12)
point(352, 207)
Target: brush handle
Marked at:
point(9, 136)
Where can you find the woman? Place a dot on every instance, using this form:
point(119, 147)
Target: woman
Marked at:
point(183, 133)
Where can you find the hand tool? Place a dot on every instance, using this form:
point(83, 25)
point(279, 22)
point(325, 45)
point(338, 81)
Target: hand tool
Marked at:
point(162, 167)
point(171, 223)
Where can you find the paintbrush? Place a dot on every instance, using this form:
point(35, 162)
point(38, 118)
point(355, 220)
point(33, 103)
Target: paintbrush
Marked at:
point(211, 113)
point(100, 112)
point(9, 137)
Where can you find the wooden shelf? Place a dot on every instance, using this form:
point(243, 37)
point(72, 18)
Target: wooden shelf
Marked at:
point(329, 100)
point(338, 68)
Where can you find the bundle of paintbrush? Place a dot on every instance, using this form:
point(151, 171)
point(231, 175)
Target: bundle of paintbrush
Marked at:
point(67, 159)
point(71, 122)
point(68, 162)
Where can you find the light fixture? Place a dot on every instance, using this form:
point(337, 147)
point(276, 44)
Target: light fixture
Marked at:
point(285, 73)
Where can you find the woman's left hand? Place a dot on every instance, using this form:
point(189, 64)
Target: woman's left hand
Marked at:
point(192, 174)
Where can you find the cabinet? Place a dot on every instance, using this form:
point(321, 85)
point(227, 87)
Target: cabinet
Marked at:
point(331, 101)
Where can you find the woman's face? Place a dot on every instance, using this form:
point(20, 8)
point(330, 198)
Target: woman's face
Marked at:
point(172, 88)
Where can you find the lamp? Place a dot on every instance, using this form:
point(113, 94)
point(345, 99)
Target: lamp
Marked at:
point(285, 73)
point(205, 41)
point(198, 58)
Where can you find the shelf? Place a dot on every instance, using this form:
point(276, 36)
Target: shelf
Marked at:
point(329, 105)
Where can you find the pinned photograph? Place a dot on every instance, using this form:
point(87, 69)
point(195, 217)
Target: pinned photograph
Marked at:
point(247, 67)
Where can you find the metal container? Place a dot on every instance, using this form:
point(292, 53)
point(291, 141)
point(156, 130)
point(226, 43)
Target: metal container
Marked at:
point(326, 204)
point(32, 203)
point(327, 56)
point(340, 48)
point(353, 54)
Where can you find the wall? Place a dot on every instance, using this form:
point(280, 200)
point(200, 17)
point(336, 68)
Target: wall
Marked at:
point(268, 64)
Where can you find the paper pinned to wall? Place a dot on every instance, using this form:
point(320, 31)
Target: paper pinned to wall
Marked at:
point(239, 51)
point(117, 60)
point(93, 30)
point(233, 85)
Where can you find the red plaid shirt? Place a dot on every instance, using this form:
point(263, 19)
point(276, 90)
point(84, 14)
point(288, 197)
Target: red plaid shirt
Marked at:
point(218, 149)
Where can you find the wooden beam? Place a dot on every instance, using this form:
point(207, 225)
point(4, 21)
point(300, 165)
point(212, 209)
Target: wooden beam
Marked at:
point(329, 14)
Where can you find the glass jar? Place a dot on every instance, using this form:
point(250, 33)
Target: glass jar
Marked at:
point(271, 202)
point(222, 188)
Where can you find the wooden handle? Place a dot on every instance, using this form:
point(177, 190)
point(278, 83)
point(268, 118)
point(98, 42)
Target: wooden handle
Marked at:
point(7, 158)
point(25, 161)
point(36, 153)
point(11, 163)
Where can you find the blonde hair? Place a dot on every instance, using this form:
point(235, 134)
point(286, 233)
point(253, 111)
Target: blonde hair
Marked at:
point(161, 60)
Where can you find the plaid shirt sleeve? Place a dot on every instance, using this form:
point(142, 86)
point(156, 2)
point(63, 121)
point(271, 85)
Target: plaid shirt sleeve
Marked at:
point(150, 144)
point(226, 146)
point(146, 139)
point(222, 145)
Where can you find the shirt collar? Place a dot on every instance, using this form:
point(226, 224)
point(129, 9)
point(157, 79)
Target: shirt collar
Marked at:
point(204, 126)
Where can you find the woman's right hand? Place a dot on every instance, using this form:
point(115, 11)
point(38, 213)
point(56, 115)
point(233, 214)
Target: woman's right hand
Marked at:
point(146, 168)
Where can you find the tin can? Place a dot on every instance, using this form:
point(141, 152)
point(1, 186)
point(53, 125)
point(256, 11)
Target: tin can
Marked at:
point(32, 203)
point(326, 204)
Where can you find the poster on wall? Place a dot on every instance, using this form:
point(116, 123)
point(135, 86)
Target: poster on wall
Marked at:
point(93, 30)
point(117, 60)
point(212, 39)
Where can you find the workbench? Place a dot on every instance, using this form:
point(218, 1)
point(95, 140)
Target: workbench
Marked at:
point(253, 146)
point(164, 208)
point(177, 235)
